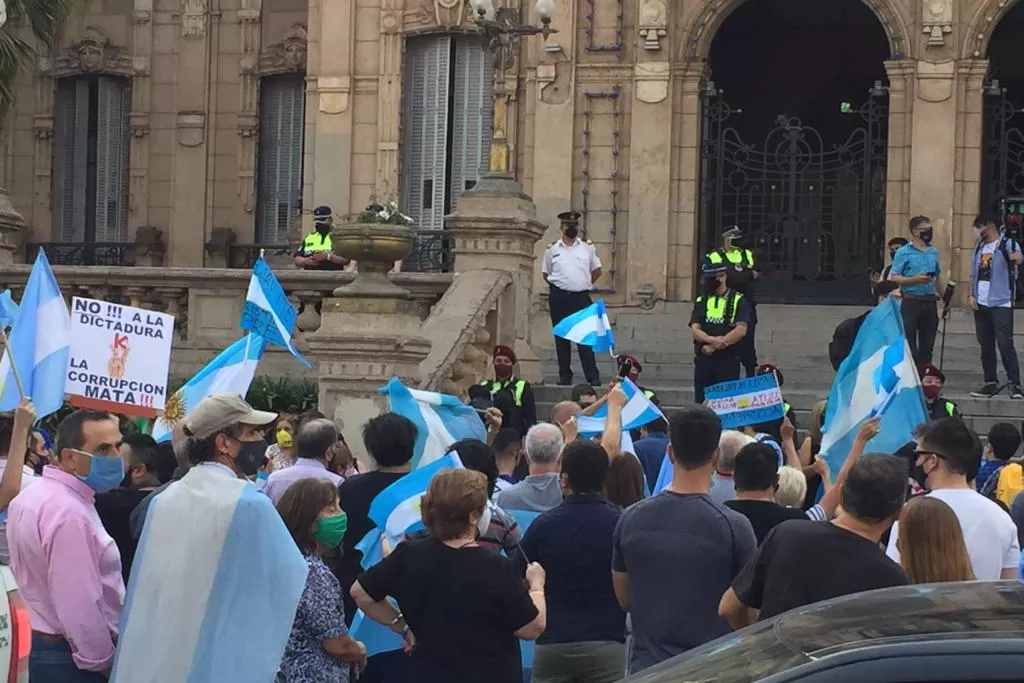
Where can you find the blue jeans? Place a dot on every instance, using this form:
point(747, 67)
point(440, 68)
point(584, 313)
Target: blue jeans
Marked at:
point(51, 662)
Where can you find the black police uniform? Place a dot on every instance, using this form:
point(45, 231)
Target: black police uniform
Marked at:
point(940, 408)
point(717, 316)
point(741, 265)
point(514, 398)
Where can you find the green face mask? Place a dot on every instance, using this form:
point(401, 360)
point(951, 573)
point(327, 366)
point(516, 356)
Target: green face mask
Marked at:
point(330, 530)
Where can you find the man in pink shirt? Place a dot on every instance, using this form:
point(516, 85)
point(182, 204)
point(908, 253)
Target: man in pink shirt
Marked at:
point(67, 567)
point(314, 444)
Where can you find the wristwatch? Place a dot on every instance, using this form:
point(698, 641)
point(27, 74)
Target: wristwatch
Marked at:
point(399, 621)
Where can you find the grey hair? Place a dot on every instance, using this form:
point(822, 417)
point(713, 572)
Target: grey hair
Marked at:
point(792, 487)
point(543, 443)
point(729, 444)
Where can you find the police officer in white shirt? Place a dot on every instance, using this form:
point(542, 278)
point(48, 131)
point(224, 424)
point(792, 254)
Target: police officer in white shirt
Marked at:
point(571, 267)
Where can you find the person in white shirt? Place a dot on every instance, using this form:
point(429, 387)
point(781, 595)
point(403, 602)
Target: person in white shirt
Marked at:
point(945, 452)
point(571, 267)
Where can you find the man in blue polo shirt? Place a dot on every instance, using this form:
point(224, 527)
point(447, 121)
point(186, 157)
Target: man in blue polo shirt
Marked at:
point(916, 268)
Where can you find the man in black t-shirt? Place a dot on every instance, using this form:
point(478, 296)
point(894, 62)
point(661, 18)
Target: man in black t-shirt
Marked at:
point(756, 477)
point(803, 562)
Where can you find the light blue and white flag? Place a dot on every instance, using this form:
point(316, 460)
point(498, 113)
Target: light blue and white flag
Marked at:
point(268, 312)
point(440, 420)
point(39, 344)
point(664, 475)
point(878, 378)
point(751, 401)
point(231, 372)
point(396, 509)
point(214, 586)
point(637, 412)
point(588, 327)
point(8, 308)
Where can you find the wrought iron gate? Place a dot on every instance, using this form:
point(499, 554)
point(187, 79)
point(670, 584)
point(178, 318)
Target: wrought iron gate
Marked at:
point(1002, 161)
point(816, 216)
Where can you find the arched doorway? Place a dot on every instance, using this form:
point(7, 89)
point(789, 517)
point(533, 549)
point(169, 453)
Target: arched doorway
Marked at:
point(794, 144)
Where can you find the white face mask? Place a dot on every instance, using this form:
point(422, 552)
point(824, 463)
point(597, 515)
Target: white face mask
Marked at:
point(485, 520)
point(977, 233)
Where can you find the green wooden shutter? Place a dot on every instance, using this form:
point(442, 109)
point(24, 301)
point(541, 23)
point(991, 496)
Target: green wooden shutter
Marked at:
point(425, 129)
point(471, 115)
point(279, 183)
point(70, 159)
point(113, 100)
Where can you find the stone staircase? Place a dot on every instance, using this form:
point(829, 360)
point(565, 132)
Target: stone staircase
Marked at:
point(794, 338)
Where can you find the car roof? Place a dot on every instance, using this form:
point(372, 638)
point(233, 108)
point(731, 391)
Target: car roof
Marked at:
point(976, 609)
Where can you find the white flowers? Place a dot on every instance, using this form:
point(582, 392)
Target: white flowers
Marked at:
point(383, 213)
point(3, 12)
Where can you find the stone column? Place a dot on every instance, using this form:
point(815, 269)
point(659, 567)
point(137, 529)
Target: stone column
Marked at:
point(967, 197)
point(932, 154)
point(683, 226)
point(496, 228)
point(897, 185)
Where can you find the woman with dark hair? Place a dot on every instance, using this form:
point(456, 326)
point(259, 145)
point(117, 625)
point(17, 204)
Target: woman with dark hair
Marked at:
point(624, 483)
point(319, 648)
point(462, 606)
point(281, 453)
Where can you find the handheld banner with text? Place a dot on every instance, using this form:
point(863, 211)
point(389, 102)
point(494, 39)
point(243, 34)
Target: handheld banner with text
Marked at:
point(120, 357)
point(751, 401)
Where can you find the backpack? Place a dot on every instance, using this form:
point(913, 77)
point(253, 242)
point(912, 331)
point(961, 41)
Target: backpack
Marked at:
point(842, 339)
point(1011, 482)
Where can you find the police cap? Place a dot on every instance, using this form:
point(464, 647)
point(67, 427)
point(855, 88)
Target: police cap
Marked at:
point(569, 216)
point(322, 213)
point(732, 231)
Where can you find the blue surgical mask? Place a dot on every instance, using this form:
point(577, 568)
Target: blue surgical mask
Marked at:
point(105, 472)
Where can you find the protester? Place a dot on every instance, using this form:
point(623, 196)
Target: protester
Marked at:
point(40, 451)
point(792, 488)
point(166, 462)
point(998, 478)
point(341, 461)
point(675, 553)
point(931, 543)
point(1017, 514)
point(17, 474)
point(788, 412)
point(319, 648)
point(66, 565)
point(563, 411)
point(917, 271)
point(462, 606)
point(217, 573)
point(809, 450)
point(585, 631)
point(945, 453)
point(540, 490)
point(140, 455)
point(313, 444)
point(138, 516)
point(723, 486)
point(846, 331)
point(803, 562)
point(389, 439)
point(280, 453)
point(624, 483)
point(508, 443)
point(650, 448)
point(585, 395)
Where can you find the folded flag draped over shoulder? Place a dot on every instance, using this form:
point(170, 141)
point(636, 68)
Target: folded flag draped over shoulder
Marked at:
point(588, 327)
point(214, 586)
point(440, 420)
point(39, 343)
point(8, 308)
point(751, 401)
point(396, 509)
point(637, 412)
point(878, 378)
point(231, 372)
point(268, 312)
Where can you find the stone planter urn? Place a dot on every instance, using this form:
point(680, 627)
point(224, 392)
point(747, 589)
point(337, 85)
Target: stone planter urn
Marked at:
point(376, 247)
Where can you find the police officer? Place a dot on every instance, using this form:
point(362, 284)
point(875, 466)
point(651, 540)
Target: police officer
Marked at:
point(633, 373)
point(932, 380)
point(317, 250)
point(571, 267)
point(509, 394)
point(743, 272)
point(719, 321)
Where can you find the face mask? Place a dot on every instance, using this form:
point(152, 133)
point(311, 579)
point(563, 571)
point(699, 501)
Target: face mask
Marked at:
point(251, 456)
point(931, 392)
point(331, 530)
point(105, 473)
point(978, 232)
point(38, 468)
point(734, 242)
point(572, 232)
point(284, 438)
point(892, 255)
point(323, 228)
point(484, 522)
point(710, 286)
point(920, 476)
point(926, 236)
point(502, 371)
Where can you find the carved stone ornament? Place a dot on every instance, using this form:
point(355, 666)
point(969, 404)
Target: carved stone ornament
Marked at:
point(287, 54)
point(653, 23)
point(652, 81)
point(937, 20)
point(93, 53)
point(193, 18)
point(449, 13)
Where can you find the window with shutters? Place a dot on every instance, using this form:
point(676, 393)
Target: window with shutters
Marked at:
point(279, 176)
point(446, 123)
point(90, 165)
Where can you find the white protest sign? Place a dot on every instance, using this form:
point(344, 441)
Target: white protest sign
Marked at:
point(119, 354)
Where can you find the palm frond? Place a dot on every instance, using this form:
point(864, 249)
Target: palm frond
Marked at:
point(14, 54)
point(45, 18)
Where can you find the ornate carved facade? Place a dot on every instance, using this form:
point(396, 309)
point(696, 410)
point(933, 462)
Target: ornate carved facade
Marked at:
point(605, 117)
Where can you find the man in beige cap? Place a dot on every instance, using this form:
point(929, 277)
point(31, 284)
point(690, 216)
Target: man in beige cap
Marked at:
point(217, 578)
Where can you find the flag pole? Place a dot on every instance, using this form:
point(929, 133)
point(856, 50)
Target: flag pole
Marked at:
point(14, 366)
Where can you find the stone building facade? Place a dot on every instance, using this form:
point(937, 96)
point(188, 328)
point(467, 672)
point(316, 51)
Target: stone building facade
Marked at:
point(182, 127)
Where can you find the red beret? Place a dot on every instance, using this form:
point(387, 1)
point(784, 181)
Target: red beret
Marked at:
point(506, 351)
point(623, 357)
point(929, 370)
point(765, 368)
